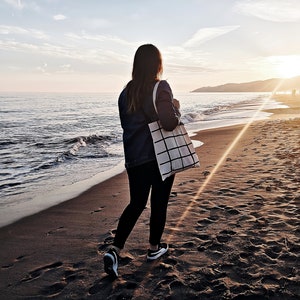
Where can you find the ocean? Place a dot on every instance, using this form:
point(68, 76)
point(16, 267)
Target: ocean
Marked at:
point(55, 146)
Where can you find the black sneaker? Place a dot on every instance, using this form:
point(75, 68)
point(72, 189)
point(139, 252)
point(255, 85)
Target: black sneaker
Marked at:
point(155, 254)
point(111, 262)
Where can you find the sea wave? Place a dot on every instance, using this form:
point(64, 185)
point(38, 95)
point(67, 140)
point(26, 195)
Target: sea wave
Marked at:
point(49, 155)
point(97, 146)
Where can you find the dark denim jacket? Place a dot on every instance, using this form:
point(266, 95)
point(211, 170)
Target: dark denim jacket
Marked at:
point(137, 140)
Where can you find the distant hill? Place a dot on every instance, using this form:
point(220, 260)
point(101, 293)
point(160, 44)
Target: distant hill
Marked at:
point(269, 85)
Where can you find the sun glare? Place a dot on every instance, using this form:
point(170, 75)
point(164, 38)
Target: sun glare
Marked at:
point(196, 198)
point(288, 66)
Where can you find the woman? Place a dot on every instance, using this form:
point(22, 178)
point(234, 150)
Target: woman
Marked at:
point(136, 110)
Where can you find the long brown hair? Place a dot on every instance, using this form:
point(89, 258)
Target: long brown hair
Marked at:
point(147, 68)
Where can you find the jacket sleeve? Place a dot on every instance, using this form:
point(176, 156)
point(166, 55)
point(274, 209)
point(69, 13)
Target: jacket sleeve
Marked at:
point(168, 114)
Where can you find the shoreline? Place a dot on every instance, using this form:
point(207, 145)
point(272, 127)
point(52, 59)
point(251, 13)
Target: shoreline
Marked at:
point(233, 228)
point(67, 192)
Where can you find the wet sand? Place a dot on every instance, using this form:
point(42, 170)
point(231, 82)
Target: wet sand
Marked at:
point(233, 228)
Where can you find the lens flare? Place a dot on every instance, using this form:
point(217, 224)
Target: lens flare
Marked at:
point(195, 199)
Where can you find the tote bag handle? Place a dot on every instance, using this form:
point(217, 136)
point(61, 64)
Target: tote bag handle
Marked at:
point(154, 94)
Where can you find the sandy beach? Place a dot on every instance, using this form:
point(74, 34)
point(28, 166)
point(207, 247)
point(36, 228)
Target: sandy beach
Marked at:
point(233, 228)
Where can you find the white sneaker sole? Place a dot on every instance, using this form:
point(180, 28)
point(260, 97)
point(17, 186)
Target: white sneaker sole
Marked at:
point(159, 254)
point(109, 266)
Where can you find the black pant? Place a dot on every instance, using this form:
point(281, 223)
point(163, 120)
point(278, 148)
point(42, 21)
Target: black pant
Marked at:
point(141, 179)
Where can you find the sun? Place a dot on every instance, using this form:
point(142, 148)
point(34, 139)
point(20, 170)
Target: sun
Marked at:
point(288, 66)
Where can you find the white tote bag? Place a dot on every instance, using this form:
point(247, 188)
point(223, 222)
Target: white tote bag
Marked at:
point(174, 150)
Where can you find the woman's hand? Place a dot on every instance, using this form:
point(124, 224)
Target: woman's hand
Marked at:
point(176, 103)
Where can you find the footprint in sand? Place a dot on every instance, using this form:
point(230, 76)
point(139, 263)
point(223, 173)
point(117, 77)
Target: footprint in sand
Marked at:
point(186, 182)
point(38, 272)
point(205, 222)
point(188, 245)
point(69, 274)
point(98, 210)
point(178, 252)
point(55, 230)
point(232, 211)
point(225, 236)
point(100, 285)
point(107, 241)
point(53, 289)
point(10, 265)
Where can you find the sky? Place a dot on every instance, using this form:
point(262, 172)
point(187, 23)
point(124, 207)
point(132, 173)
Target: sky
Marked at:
point(89, 45)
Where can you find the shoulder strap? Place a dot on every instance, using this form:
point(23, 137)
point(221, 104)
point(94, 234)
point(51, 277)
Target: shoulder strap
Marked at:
point(154, 94)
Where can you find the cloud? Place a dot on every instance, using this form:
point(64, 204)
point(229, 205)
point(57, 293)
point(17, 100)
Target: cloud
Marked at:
point(205, 34)
point(16, 30)
point(16, 4)
point(270, 10)
point(178, 68)
point(100, 39)
point(54, 68)
point(91, 56)
point(16, 46)
point(180, 60)
point(184, 56)
point(87, 48)
point(95, 23)
point(20, 5)
point(65, 68)
point(59, 17)
point(7, 30)
point(107, 45)
point(42, 69)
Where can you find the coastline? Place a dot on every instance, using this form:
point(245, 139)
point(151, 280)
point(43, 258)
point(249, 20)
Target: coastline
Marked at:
point(232, 202)
point(55, 192)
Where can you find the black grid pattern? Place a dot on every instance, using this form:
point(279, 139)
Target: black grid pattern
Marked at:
point(174, 149)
